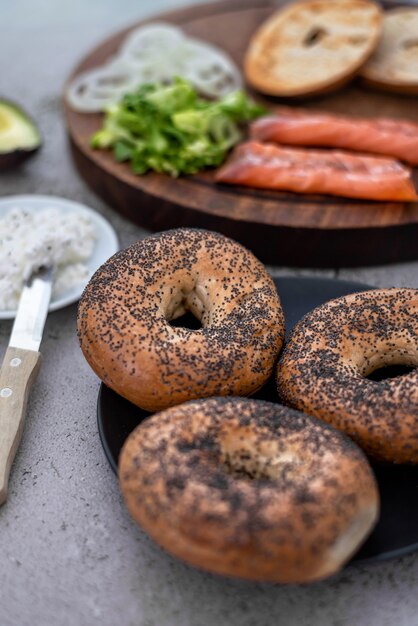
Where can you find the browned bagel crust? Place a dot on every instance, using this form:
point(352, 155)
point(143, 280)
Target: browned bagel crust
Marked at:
point(281, 60)
point(249, 489)
point(324, 366)
point(124, 313)
point(393, 64)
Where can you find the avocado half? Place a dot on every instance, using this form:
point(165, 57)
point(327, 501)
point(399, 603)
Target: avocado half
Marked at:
point(19, 135)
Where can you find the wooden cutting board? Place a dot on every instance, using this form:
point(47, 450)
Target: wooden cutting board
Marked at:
point(281, 228)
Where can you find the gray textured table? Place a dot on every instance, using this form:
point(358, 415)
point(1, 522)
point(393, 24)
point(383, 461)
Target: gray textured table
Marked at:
point(69, 553)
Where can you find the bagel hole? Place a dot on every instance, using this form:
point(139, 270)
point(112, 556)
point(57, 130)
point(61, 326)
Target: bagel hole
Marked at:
point(389, 371)
point(314, 36)
point(243, 454)
point(410, 43)
point(187, 320)
point(357, 40)
point(241, 462)
point(243, 465)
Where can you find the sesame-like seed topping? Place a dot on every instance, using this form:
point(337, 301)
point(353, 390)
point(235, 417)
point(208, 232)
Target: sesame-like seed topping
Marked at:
point(323, 370)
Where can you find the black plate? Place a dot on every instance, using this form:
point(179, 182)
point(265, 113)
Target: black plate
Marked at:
point(397, 531)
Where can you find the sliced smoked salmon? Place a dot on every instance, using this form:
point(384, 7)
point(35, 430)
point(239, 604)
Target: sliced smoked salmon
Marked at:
point(296, 127)
point(268, 166)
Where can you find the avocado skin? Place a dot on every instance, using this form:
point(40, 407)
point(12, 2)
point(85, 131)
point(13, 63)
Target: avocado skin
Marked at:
point(9, 160)
point(18, 155)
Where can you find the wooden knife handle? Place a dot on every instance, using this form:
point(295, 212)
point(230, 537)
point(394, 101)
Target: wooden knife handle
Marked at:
point(17, 375)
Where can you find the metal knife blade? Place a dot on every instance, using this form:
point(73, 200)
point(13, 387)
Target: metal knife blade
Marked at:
point(32, 311)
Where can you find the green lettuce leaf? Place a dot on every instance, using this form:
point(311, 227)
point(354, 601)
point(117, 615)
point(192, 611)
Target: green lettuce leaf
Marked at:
point(168, 128)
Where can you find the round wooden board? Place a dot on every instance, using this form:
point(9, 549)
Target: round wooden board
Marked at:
point(281, 228)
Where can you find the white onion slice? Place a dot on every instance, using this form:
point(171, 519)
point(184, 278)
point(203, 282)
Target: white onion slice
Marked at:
point(154, 53)
point(158, 38)
point(211, 71)
point(100, 87)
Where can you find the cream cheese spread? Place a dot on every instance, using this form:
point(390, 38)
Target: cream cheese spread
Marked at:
point(50, 236)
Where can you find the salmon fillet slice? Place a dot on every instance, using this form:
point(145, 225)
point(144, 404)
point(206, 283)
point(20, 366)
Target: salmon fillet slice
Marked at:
point(395, 138)
point(268, 166)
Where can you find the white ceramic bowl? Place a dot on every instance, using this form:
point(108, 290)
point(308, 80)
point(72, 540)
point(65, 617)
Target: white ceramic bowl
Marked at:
point(106, 243)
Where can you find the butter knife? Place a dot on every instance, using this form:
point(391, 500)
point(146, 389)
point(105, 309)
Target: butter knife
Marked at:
point(20, 367)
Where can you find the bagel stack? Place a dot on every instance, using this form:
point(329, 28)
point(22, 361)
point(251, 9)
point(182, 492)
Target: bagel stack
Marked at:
point(313, 46)
point(235, 486)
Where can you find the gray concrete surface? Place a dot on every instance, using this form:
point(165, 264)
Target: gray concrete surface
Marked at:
point(69, 553)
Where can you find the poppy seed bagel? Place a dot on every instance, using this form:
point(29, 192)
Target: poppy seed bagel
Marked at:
point(250, 489)
point(125, 312)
